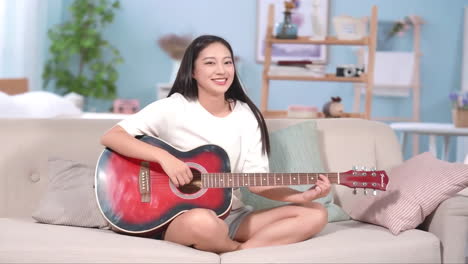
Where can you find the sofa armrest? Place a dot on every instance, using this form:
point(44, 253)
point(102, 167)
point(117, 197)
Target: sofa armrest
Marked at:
point(449, 222)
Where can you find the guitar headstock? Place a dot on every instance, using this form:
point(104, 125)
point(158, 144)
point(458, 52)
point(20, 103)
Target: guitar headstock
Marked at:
point(365, 179)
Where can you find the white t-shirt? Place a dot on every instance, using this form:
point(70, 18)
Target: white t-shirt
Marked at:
point(187, 124)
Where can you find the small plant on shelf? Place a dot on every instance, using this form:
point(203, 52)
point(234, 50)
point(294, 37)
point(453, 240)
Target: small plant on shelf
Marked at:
point(459, 100)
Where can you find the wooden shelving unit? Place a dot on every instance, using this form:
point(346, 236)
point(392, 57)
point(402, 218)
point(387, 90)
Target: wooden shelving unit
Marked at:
point(284, 114)
point(369, 41)
point(326, 78)
point(327, 41)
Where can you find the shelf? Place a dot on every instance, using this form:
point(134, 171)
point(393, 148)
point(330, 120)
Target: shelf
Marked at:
point(326, 78)
point(268, 75)
point(327, 41)
point(275, 114)
point(394, 119)
point(272, 114)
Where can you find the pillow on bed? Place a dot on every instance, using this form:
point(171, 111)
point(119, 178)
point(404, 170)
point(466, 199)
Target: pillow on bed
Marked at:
point(42, 104)
point(37, 104)
point(9, 109)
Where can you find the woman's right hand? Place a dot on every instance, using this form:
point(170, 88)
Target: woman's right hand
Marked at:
point(120, 141)
point(179, 173)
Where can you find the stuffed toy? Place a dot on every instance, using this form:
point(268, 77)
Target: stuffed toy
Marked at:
point(333, 108)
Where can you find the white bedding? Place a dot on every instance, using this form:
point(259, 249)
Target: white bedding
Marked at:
point(36, 104)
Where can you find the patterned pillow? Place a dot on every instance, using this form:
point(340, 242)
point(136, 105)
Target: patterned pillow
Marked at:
point(69, 198)
point(415, 189)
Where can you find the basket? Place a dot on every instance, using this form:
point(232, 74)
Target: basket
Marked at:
point(460, 117)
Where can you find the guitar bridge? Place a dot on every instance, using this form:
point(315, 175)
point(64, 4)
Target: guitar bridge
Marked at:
point(144, 182)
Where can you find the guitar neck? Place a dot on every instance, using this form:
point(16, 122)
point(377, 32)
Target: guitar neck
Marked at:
point(233, 180)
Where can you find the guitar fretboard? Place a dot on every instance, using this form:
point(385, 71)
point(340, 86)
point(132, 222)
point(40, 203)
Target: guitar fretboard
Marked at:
point(232, 180)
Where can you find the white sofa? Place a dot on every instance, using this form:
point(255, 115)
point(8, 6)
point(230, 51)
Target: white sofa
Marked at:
point(25, 145)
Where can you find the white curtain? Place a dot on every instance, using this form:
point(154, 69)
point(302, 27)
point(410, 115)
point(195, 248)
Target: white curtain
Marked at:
point(22, 37)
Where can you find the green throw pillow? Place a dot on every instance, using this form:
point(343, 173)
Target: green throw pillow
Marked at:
point(295, 149)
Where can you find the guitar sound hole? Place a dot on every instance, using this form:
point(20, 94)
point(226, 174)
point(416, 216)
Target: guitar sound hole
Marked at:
point(194, 186)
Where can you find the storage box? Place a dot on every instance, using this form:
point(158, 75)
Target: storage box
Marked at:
point(301, 111)
point(460, 117)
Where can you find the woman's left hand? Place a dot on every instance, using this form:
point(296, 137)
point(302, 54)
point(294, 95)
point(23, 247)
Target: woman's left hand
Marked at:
point(321, 189)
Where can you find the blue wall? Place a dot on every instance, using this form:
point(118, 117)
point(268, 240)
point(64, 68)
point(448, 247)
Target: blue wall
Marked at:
point(139, 24)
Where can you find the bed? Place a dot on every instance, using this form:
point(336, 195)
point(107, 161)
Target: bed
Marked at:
point(14, 86)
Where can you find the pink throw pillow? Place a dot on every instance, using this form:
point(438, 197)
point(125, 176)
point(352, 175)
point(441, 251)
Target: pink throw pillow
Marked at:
point(415, 189)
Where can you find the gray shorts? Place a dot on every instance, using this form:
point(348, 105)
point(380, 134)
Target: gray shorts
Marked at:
point(233, 221)
point(235, 218)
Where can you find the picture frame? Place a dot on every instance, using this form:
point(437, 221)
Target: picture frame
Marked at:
point(302, 16)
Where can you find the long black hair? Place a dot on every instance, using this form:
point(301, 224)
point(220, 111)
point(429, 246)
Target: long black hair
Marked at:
point(186, 85)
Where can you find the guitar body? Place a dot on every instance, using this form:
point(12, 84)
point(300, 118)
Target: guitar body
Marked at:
point(121, 183)
point(138, 198)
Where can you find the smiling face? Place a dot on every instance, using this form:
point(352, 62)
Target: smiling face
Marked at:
point(214, 70)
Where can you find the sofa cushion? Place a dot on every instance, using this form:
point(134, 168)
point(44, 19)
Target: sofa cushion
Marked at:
point(295, 149)
point(23, 240)
point(69, 198)
point(415, 189)
point(348, 242)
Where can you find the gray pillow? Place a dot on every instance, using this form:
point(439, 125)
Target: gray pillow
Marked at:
point(296, 149)
point(69, 198)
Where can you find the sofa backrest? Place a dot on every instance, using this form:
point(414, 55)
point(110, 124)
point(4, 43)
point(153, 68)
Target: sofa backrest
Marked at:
point(26, 144)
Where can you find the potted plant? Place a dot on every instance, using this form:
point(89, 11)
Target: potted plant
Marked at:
point(459, 102)
point(82, 62)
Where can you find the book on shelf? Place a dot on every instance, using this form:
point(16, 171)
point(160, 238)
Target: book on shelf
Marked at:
point(294, 62)
point(308, 70)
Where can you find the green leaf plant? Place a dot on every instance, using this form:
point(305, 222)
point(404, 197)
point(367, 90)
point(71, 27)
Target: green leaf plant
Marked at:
point(81, 60)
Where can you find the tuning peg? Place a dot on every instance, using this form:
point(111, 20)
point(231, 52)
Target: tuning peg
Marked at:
point(374, 192)
point(363, 168)
point(355, 167)
point(354, 191)
point(373, 168)
point(365, 191)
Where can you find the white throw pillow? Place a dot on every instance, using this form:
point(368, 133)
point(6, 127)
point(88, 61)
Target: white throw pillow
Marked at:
point(42, 104)
point(9, 109)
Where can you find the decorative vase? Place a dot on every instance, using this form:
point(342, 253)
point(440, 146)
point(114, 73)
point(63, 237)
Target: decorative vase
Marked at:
point(175, 70)
point(460, 117)
point(317, 27)
point(286, 29)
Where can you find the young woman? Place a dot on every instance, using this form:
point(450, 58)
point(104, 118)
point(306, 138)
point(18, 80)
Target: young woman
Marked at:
point(207, 105)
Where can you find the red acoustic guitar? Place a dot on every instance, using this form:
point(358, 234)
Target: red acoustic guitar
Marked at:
point(137, 197)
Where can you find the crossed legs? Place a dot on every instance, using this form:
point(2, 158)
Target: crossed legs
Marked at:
point(203, 230)
point(281, 225)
